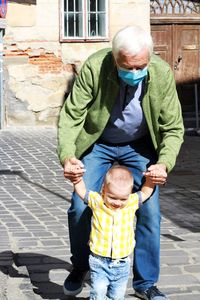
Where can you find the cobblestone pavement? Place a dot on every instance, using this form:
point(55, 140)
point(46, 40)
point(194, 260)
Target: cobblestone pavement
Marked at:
point(34, 243)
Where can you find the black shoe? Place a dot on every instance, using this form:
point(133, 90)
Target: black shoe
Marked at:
point(73, 284)
point(151, 293)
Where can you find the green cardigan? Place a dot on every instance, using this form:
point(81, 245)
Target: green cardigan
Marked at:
point(87, 109)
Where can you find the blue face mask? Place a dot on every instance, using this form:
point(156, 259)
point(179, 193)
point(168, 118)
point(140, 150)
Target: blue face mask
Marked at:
point(132, 77)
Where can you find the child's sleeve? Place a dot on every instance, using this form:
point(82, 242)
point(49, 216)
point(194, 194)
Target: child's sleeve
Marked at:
point(92, 199)
point(86, 198)
point(140, 202)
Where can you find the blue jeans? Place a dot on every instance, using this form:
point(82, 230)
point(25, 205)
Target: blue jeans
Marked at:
point(137, 156)
point(109, 277)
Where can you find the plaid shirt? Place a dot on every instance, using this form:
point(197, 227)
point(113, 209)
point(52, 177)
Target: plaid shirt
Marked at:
point(112, 233)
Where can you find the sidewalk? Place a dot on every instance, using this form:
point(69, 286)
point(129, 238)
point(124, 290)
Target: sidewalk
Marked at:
point(34, 243)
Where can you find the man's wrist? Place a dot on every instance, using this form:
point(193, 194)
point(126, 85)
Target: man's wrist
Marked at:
point(163, 166)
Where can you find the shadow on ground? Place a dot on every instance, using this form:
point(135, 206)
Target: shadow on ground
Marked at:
point(23, 176)
point(183, 210)
point(38, 267)
point(180, 199)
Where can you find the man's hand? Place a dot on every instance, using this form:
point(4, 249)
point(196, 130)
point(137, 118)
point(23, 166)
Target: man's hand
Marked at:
point(157, 174)
point(73, 169)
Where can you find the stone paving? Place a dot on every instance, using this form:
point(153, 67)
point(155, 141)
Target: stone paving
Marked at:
point(34, 243)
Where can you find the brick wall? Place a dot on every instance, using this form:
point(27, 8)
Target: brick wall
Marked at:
point(47, 62)
point(23, 1)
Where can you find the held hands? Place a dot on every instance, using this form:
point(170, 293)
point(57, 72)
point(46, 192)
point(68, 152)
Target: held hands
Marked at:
point(157, 174)
point(73, 169)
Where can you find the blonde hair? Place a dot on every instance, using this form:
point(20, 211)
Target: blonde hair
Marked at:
point(120, 176)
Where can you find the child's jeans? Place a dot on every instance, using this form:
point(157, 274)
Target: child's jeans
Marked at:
point(109, 277)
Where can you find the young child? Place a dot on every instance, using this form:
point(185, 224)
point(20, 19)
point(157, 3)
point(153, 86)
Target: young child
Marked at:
point(112, 231)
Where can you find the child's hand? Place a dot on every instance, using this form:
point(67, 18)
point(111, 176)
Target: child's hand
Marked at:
point(73, 169)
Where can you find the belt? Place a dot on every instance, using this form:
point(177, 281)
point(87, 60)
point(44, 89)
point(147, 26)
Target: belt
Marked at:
point(107, 258)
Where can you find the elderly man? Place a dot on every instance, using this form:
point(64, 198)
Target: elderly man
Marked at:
point(123, 108)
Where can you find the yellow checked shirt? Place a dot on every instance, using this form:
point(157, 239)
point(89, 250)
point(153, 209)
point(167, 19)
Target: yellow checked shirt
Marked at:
point(112, 233)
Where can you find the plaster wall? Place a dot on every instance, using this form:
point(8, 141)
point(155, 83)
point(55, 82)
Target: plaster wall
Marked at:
point(39, 69)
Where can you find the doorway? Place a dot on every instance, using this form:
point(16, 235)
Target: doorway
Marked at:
point(176, 34)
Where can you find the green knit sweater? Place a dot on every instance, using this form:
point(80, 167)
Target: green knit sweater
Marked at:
point(87, 109)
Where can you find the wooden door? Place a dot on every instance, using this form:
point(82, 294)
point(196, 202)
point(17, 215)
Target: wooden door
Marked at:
point(186, 53)
point(179, 45)
point(162, 37)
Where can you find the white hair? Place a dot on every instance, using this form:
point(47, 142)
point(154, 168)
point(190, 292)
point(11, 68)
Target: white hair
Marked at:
point(132, 40)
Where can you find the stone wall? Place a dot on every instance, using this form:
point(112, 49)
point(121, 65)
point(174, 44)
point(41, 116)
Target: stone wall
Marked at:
point(39, 69)
point(36, 84)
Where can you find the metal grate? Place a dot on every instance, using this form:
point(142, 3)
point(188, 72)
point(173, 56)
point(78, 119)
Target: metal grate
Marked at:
point(85, 18)
point(174, 7)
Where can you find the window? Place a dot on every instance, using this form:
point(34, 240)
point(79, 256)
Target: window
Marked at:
point(84, 19)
